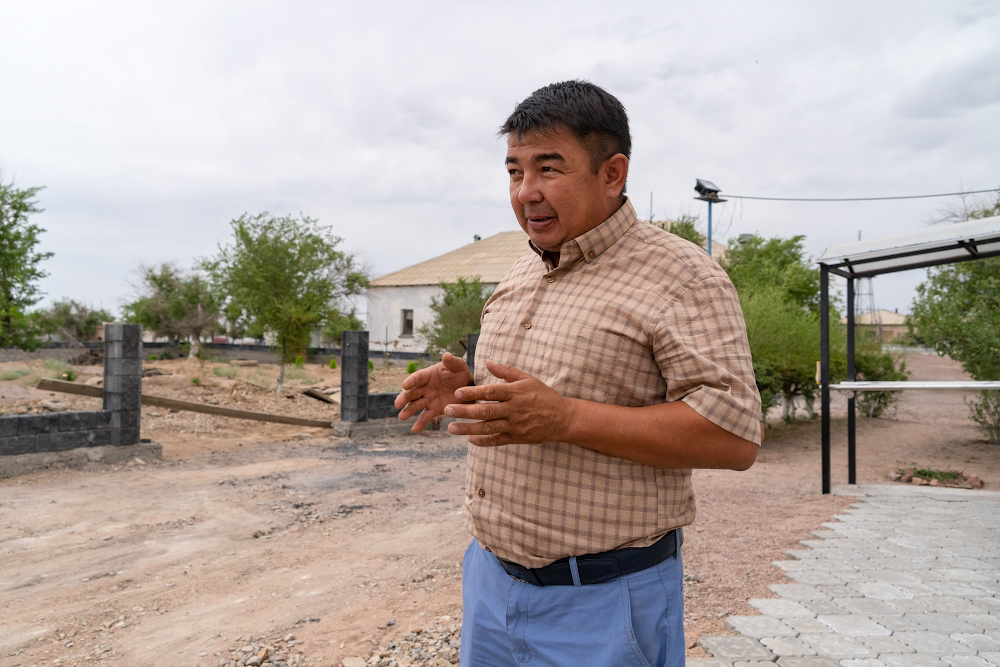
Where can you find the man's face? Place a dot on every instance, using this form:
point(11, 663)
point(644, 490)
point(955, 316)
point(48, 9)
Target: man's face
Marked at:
point(555, 194)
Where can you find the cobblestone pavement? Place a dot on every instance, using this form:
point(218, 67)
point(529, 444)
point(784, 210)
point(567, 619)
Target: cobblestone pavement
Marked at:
point(910, 577)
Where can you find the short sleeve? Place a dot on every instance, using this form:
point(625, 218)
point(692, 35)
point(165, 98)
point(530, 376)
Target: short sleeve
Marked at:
point(703, 353)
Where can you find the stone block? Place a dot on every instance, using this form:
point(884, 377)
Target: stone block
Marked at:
point(8, 427)
point(945, 623)
point(934, 643)
point(35, 424)
point(816, 578)
point(807, 625)
point(881, 591)
point(980, 642)
point(113, 333)
point(985, 621)
point(759, 626)
point(886, 645)
point(127, 419)
point(794, 661)
point(128, 436)
point(911, 660)
point(122, 367)
point(862, 662)
point(132, 334)
point(966, 661)
point(64, 440)
point(786, 646)
point(102, 418)
point(823, 606)
point(837, 646)
point(853, 625)
point(112, 402)
point(77, 421)
point(868, 607)
point(779, 608)
point(380, 405)
point(18, 444)
point(798, 592)
point(708, 662)
point(993, 657)
point(735, 648)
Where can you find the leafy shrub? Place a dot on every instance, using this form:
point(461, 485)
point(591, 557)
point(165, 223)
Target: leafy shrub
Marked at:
point(196, 381)
point(300, 361)
point(333, 364)
point(225, 371)
point(985, 411)
point(371, 365)
point(873, 365)
point(70, 375)
point(411, 367)
point(456, 314)
point(15, 374)
point(152, 357)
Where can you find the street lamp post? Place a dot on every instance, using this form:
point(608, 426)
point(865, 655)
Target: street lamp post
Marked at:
point(708, 191)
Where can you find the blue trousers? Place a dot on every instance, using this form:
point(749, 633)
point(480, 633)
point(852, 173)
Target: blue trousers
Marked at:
point(635, 620)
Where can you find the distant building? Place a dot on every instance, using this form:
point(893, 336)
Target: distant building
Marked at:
point(883, 325)
point(399, 302)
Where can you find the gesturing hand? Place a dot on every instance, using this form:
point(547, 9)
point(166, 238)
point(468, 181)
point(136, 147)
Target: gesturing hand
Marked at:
point(431, 389)
point(526, 411)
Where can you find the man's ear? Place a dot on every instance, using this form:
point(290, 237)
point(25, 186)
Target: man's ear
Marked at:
point(615, 171)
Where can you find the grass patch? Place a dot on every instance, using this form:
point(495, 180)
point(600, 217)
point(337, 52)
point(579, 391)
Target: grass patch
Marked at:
point(260, 379)
point(301, 375)
point(940, 475)
point(225, 372)
point(31, 380)
point(17, 374)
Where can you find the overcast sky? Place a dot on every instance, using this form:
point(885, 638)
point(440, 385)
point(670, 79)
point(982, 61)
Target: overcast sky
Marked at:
point(152, 125)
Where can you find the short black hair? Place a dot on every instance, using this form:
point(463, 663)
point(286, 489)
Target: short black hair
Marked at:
point(592, 114)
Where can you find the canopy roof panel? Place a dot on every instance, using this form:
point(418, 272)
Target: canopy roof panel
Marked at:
point(942, 244)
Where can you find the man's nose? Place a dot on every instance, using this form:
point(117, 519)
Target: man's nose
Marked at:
point(528, 191)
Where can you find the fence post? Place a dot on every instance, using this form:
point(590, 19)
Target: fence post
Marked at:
point(354, 377)
point(471, 340)
point(123, 381)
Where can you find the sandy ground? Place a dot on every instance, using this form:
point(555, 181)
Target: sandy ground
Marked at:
point(248, 531)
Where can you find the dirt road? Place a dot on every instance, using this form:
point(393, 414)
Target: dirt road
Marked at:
point(244, 535)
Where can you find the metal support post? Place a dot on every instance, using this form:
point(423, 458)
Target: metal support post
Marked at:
point(851, 406)
point(824, 370)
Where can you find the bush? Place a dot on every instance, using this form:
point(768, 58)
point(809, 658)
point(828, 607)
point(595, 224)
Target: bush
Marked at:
point(196, 382)
point(411, 367)
point(333, 364)
point(985, 411)
point(456, 314)
point(872, 365)
point(152, 357)
point(6, 376)
point(70, 375)
point(225, 372)
point(300, 362)
point(371, 366)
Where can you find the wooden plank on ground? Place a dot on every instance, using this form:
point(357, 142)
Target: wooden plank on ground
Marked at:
point(173, 404)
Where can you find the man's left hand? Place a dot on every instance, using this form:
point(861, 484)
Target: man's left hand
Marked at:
point(525, 410)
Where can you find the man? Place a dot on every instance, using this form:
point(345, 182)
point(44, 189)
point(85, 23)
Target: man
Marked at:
point(613, 359)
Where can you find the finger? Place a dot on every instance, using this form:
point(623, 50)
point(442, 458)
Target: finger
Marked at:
point(484, 411)
point(491, 427)
point(505, 372)
point(412, 408)
point(453, 363)
point(407, 396)
point(491, 440)
point(423, 420)
point(486, 392)
point(420, 378)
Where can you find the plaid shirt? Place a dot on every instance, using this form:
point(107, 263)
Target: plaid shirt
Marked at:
point(631, 316)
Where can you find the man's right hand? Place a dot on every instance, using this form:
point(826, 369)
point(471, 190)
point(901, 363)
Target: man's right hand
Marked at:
point(432, 389)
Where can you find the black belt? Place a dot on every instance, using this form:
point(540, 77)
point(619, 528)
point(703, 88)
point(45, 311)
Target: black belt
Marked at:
point(595, 568)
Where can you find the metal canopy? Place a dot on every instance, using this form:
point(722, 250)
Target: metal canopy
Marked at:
point(941, 244)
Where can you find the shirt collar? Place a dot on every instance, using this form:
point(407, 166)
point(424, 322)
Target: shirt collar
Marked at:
point(590, 245)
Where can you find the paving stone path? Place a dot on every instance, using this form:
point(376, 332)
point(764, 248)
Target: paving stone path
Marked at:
point(910, 577)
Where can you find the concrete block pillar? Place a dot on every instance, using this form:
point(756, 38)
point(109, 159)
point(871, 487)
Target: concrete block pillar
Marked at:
point(123, 381)
point(354, 377)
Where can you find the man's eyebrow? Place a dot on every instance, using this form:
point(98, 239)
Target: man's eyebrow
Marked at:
point(511, 160)
point(544, 157)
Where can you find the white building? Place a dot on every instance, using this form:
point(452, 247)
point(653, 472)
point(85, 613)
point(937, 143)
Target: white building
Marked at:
point(399, 302)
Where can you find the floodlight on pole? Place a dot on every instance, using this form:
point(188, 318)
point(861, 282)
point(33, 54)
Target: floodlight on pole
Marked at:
point(708, 191)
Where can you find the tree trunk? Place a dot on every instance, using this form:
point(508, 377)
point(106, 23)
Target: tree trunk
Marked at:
point(195, 347)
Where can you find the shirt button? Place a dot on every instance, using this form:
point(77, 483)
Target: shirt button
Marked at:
point(482, 493)
point(590, 254)
point(552, 280)
point(527, 325)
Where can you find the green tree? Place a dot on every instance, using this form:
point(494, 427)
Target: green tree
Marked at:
point(19, 267)
point(71, 320)
point(174, 304)
point(337, 323)
point(779, 294)
point(284, 276)
point(957, 311)
point(456, 314)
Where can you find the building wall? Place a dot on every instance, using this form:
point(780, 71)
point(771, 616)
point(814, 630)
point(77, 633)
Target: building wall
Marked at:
point(385, 309)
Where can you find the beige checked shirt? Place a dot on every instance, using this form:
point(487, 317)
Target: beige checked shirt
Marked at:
point(631, 316)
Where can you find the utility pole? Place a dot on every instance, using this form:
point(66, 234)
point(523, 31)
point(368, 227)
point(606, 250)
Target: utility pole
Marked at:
point(708, 191)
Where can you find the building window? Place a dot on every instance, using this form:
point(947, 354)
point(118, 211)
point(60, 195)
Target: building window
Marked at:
point(407, 323)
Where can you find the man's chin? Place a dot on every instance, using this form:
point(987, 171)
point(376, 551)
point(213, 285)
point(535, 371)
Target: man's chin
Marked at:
point(547, 236)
